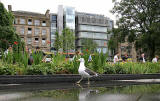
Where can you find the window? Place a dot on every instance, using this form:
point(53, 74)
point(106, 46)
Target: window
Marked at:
point(53, 36)
point(22, 39)
point(29, 21)
point(52, 42)
point(37, 31)
point(44, 32)
point(36, 40)
point(37, 22)
point(54, 18)
point(29, 30)
point(16, 21)
point(93, 28)
point(101, 42)
point(43, 23)
point(22, 30)
point(93, 35)
point(22, 21)
point(43, 41)
point(29, 40)
point(53, 26)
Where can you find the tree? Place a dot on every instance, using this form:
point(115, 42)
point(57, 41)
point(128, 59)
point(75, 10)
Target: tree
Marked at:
point(7, 32)
point(115, 39)
point(89, 44)
point(58, 42)
point(139, 20)
point(68, 40)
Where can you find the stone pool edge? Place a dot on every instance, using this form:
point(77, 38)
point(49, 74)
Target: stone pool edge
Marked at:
point(59, 78)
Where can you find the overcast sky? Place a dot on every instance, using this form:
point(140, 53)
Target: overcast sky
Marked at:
point(89, 6)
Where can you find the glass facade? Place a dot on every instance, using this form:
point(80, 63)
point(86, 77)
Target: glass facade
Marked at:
point(104, 50)
point(70, 17)
point(53, 30)
point(101, 42)
point(93, 35)
point(93, 28)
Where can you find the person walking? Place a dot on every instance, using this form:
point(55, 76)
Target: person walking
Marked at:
point(155, 59)
point(115, 60)
point(142, 58)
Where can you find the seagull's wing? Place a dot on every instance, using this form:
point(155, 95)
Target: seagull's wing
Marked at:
point(90, 72)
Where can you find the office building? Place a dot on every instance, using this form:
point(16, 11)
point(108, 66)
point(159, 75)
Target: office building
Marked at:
point(84, 26)
point(94, 27)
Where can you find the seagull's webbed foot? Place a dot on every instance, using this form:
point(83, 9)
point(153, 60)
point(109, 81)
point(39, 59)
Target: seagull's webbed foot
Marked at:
point(78, 82)
point(88, 82)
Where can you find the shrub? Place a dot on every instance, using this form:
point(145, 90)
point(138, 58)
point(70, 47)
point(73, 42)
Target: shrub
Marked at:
point(7, 70)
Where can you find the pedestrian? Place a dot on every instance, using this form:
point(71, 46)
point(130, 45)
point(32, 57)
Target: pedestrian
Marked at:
point(90, 58)
point(115, 60)
point(8, 50)
point(155, 59)
point(125, 57)
point(142, 58)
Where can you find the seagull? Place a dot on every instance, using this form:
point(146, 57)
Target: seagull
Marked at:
point(85, 72)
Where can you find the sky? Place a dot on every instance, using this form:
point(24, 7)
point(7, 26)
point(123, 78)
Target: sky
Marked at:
point(102, 7)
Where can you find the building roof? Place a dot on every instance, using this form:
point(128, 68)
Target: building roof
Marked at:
point(26, 13)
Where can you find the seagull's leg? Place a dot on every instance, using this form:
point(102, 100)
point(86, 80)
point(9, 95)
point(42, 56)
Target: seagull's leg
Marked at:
point(88, 81)
point(80, 80)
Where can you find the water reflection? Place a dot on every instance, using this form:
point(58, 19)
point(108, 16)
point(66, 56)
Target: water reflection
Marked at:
point(86, 93)
point(83, 93)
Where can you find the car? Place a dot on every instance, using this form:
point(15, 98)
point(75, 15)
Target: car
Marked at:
point(48, 57)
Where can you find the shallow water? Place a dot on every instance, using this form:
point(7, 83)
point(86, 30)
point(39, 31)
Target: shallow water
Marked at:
point(147, 92)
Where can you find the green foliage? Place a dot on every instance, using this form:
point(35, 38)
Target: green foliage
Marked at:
point(132, 68)
point(68, 40)
point(37, 57)
point(41, 69)
point(7, 32)
point(98, 62)
point(59, 65)
point(58, 42)
point(139, 21)
point(89, 44)
point(7, 70)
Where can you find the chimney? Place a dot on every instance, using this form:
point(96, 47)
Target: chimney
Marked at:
point(10, 7)
point(47, 13)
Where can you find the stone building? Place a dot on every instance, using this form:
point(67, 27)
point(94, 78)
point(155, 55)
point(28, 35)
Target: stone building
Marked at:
point(128, 48)
point(33, 28)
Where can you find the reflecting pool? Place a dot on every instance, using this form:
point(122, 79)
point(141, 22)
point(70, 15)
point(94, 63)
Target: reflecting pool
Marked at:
point(147, 92)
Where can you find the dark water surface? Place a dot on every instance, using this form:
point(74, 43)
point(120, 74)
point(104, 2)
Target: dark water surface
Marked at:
point(72, 92)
